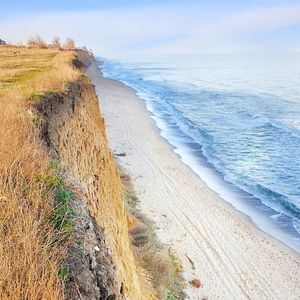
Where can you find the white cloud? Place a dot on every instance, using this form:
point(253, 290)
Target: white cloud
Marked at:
point(261, 20)
point(159, 30)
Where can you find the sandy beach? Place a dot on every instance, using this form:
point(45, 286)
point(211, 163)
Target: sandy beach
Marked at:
point(216, 244)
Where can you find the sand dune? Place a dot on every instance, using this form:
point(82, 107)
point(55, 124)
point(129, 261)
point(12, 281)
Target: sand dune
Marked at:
point(216, 244)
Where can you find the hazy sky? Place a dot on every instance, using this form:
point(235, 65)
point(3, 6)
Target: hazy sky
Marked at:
point(144, 28)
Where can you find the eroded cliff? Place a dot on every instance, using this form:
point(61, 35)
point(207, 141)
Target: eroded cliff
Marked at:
point(75, 130)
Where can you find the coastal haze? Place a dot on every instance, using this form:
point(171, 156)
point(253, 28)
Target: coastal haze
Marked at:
point(190, 170)
point(153, 29)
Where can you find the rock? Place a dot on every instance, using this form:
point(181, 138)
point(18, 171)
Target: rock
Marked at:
point(121, 154)
point(196, 283)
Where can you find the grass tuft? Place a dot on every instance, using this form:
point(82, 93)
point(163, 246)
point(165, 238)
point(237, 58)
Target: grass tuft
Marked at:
point(63, 214)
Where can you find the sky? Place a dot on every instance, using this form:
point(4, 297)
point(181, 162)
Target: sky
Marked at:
point(151, 29)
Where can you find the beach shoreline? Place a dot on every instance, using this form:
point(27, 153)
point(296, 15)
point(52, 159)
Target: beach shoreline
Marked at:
point(231, 257)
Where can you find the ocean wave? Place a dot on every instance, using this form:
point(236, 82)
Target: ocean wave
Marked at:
point(269, 197)
point(278, 199)
point(246, 138)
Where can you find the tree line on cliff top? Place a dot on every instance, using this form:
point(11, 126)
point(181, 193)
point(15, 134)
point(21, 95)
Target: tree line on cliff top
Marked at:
point(38, 42)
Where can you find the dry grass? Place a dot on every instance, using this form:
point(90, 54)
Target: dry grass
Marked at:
point(163, 269)
point(30, 247)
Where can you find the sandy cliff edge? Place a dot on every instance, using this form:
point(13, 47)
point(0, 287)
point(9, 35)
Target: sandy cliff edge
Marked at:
point(75, 130)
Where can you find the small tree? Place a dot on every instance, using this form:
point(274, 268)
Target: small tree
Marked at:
point(36, 42)
point(69, 44)
point(56, 42)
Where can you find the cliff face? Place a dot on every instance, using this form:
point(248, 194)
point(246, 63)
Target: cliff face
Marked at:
point(75, 130)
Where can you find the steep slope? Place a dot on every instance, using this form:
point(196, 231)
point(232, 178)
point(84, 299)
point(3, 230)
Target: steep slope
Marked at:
point(75, 129)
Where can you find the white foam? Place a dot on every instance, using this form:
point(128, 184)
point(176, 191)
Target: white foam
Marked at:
point(227, 191)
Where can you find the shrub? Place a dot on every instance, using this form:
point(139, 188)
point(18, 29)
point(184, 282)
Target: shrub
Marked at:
point(36, 42)
point(56, 43)
point(69, 44)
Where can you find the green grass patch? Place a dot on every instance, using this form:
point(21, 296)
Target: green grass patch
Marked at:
point(24, 67)
point(51, 181)
point(28, 74)
point(176, 284)
point(63, 214)
point(35, 97)
point(171, 296)
point(63, 274)
point(55, 165)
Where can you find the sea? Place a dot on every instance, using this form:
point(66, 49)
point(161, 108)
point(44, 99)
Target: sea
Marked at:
point(234, 120)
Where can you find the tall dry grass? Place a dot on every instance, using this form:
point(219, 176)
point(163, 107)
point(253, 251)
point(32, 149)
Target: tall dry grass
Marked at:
point(30, 247)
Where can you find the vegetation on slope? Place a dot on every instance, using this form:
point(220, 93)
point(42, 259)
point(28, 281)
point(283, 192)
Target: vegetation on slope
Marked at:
point(33, 210)
point(164, 270)
point(36, 216)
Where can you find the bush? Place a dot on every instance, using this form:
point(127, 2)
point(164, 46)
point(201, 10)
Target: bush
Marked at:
point(36, 42)
point(69, 44)
point(56, 43)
